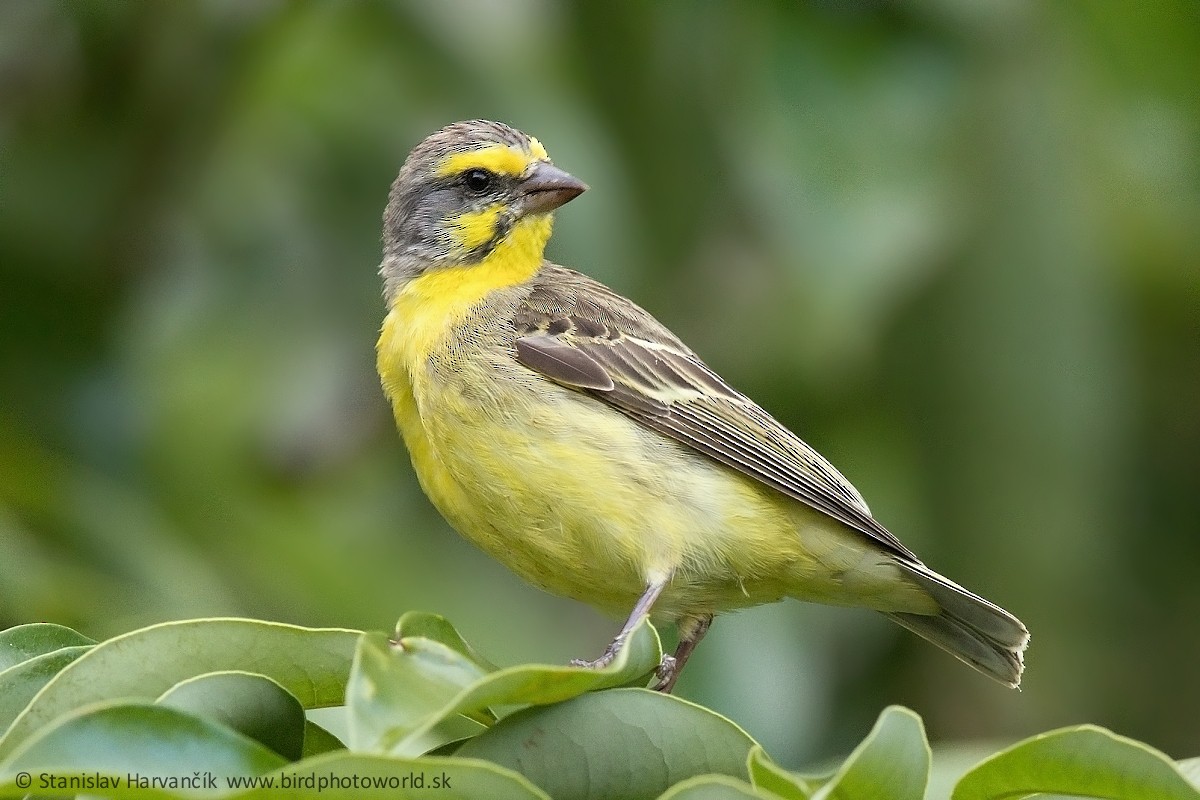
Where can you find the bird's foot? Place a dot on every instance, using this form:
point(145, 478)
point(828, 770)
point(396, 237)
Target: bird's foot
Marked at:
point(666, 674)
point(603, 661)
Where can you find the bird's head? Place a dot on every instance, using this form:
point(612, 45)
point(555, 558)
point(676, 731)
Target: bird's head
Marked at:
point(467, 192)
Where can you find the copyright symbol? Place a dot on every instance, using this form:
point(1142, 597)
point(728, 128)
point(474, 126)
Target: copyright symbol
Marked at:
point(23, 780)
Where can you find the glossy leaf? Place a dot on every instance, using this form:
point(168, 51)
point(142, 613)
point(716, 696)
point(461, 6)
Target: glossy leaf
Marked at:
point(310, 663)
point(394, 690)
point(20, 683)
point(1190, 769)
point(397, 694)
point(628, 743)
point(354, 776)
point(151, 741)
point(253, 705)
point(1086, 760)
point(28, 641)
point(893, 762)
point(714, 787)
point(438, 628)
point(766, 774)
point(318, 741)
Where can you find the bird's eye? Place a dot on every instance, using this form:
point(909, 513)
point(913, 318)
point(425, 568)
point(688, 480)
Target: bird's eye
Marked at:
point(477, 180)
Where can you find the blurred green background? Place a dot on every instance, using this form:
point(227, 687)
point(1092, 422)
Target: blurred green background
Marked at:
point(956, 246)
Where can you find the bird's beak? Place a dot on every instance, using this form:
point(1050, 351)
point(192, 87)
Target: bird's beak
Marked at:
point(547, 187)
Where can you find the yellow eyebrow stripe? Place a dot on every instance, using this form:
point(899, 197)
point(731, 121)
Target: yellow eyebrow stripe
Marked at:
point(498, 158)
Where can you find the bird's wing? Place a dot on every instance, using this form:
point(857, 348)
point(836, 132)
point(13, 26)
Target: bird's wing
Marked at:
point(579, 334)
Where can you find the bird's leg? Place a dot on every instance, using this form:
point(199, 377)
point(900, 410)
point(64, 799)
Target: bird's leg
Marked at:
point(640, 610)
point(689, 636)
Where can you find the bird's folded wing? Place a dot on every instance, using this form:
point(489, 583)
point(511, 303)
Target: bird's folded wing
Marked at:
point(667, 388)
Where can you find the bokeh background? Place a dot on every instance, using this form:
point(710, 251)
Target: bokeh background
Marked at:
point(956, 246)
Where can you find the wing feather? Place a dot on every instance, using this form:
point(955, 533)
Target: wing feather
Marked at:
point(579, 334)
point(573, 366)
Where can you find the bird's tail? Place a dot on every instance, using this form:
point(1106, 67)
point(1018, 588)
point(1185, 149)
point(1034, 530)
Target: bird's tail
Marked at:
point(970, 628)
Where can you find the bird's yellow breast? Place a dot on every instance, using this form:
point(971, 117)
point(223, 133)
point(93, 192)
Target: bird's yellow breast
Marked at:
point(418, 354)
point(572, 495)
point(423, 314)
point(544, 479)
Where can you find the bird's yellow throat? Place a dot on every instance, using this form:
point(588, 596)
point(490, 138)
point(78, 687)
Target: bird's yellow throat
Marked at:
point(421, 315)
point(428, 306)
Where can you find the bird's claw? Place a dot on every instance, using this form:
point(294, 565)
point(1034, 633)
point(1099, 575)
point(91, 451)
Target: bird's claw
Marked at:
point(603, 661)
point(665, 674)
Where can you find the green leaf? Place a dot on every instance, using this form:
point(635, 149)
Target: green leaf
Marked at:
point(1086, 760)
point(450, 747)
point(318, 741)
point(251, 704)
point(627, 743)
point(21, 683)
point(1190, 769)
point(310, 663)
point(119, 739)
point(766, 774)
point(354, 776)
point(393, 691)
point(398, 694)
point(438, 628)
point(28, 641)
point(714, 787)
point(893, 762)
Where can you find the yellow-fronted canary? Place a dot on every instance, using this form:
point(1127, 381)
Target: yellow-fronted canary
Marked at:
point(568, 433)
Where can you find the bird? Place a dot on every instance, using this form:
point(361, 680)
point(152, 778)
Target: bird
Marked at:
point(570, 435)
